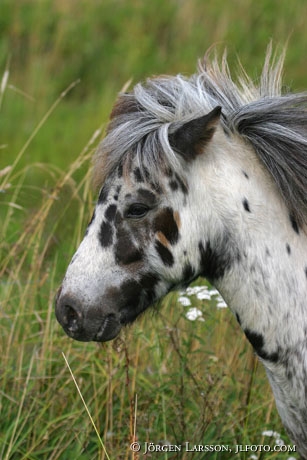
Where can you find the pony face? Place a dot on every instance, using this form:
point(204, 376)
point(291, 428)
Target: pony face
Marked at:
point(132, 254)
point(142, 241)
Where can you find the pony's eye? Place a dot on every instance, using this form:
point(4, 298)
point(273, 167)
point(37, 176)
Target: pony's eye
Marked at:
point(136, 211)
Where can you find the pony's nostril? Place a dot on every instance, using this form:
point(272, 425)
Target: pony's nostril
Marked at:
point(72, 318)
point(69, 314)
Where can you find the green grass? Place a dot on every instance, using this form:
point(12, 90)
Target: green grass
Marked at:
point(166, 379)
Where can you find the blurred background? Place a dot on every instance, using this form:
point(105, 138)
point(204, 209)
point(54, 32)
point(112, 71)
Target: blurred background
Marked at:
point(62, 63)
point(48, 44)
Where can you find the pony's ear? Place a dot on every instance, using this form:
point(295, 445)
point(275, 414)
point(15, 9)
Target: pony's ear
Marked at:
point(190, 139)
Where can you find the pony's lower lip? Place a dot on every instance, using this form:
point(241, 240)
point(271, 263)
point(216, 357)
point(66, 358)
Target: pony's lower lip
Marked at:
point(108, 330)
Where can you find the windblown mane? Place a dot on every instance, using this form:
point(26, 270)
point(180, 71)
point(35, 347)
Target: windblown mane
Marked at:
point(274, 124)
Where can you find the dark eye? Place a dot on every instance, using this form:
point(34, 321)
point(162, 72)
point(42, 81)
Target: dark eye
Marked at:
point(136, 211)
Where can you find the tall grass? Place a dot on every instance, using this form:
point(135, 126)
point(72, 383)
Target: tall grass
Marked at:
point(167, 379)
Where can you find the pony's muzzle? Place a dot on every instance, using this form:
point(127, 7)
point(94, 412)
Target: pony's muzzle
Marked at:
point(85, 323)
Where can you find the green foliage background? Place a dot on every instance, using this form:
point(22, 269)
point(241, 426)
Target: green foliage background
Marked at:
point(47, 44)
point(195, 381)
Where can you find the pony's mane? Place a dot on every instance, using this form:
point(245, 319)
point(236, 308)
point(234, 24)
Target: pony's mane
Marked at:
point(275, 125)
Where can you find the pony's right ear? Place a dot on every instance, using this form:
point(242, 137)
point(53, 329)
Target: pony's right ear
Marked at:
point(191, 138)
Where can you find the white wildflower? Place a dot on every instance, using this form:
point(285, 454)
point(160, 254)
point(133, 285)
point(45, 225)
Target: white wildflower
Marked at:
point(185, 301)
point(194, 314)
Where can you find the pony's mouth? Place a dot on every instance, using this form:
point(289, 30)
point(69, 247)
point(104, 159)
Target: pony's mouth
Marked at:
point(108, 330)
point(112, 324)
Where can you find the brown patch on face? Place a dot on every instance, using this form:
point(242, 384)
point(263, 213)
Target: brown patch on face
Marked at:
point(125, 252)
point(165, 223)
point(162, 238)
point(177, 219)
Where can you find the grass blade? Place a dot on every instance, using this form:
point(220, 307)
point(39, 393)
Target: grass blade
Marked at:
point(86, 408)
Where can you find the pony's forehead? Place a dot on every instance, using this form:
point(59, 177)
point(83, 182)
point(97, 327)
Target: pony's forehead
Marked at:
point(133, 168)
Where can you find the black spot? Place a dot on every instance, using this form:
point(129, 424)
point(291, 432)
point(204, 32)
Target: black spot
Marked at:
point(120, 171)
point(125, 251)
point(245, 174)
point(165, 255)
point(118, 189)
point(289, 375)
point(246, 205)
point(294, 224)
point(255, 339)
point(130, 295)
point(188, 273)
point(306, 271)
point(110, 212)
point(215, 262)
point(165, 223)
point(106, 234)
point(149, 281)
point(148, 196)
point(257, 342)
point(137, 175)
point(146, 173)
point(103, 195)
point(288, 248)
point(173, 185)
point(267, 252)
point(133, 297)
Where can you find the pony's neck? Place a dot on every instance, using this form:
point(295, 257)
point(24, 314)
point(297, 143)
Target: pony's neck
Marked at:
point(267, 293)
point(266, 285)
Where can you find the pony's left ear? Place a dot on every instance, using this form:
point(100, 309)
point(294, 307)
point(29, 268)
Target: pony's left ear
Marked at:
point(191, 138)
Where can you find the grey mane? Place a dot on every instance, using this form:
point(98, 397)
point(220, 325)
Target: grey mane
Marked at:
point(275, 125)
